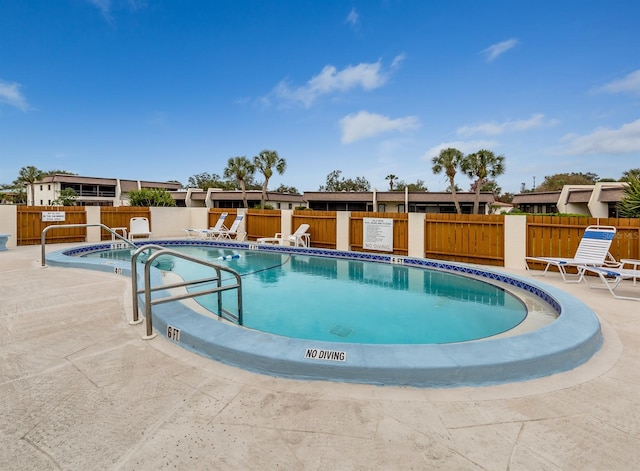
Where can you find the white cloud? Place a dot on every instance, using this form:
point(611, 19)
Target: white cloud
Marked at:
point(630, 83)
point(106, 7)
point(363, 125)
point(496, 50)
point(624, 140)
point(466, 147)
point(367, 76)
point(397, 61)
point(353, 18)
point(493, 129)
point(10, 95)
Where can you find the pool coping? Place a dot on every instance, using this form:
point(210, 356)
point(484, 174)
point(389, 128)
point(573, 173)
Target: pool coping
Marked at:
point(559, 346)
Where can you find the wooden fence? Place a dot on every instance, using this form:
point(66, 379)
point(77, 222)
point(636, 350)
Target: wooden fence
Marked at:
point(119, 217)
point(262, 223)
point(558, 236)
point(31, 225)
point(322, 227)
point(465, 238)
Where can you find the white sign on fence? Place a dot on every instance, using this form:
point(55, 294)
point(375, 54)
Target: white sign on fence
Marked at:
point(378, 234)
point(50, 216)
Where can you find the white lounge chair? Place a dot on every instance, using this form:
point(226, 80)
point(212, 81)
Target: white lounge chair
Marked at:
point(139, 228)
point(220, 223)
point(210, 233)
point(232, 232)
point(593, 251)
point(611, 278)
point(300, 238)
point(196, 233)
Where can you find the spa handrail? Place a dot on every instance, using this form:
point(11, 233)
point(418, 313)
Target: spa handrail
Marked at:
point(43, 236)
point(148, 289)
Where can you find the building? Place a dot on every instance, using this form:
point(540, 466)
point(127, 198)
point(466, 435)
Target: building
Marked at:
point(114, 192)
point(91, 191)
point(599, 200)
point(216, 198)
point(396, 201)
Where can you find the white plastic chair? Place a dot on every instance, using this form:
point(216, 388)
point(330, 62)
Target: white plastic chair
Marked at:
point(139, 228)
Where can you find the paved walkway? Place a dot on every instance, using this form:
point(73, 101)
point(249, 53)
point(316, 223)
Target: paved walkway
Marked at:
point(81, 390)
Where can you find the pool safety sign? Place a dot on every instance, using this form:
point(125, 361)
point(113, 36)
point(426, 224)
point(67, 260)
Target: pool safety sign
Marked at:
point(52, 216)
point(378, 234)
point(327, 355)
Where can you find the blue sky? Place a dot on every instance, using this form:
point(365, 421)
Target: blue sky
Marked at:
point(166, 89)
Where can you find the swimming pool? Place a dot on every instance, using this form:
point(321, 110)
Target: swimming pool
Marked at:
point(559, 346)
point(328, 299)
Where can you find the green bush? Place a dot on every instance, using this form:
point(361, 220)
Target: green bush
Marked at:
point(151, 197)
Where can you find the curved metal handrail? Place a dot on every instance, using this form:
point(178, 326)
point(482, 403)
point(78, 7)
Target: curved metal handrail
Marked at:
point(148, 289)
point(43, 236)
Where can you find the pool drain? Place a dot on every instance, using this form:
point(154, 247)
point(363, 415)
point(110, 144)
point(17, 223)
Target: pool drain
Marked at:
point(341, 331)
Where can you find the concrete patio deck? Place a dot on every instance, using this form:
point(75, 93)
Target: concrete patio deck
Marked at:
point(81, 390)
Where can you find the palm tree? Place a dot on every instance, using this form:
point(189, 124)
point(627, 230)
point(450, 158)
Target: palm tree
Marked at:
point(629, 206)
point(482, 165)
point(392, 178)
point(265, 161)
point(627, 175)
point(449, 160)
point(27, 177)
point(239, 168)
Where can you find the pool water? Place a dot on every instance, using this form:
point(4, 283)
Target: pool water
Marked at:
point(337, 300)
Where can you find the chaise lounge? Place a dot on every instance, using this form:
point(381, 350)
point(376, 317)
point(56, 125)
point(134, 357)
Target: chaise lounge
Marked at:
point(300, 238)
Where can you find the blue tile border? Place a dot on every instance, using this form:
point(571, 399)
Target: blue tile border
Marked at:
point(560, 346)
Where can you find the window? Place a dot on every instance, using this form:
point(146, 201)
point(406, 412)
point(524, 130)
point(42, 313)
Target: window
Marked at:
point(41, 187)
point(382, 207)
point(401, 208)
point(49, 187)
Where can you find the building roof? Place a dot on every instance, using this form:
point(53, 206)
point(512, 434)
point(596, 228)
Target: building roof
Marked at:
point(447, 197)
point(396, 196)
point(537, 197)
point(125, 185)
point(611, 195)
point(128, 185)
point(165, 185)
point(579, 196)
point(254, 195)
point(64, 178)
point(353, 196)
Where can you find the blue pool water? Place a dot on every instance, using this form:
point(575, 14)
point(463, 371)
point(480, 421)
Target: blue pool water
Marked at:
point(533, 349)
point(353, 301)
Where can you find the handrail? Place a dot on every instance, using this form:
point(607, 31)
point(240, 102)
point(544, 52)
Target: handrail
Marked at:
point(134, 279)
point(147, 288)
point(43, 236)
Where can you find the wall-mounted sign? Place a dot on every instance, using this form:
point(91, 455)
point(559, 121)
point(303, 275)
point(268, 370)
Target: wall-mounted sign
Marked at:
point(51, 216)
point(378, 234)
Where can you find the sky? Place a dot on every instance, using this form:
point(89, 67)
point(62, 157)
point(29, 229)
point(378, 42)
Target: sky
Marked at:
point(167, 89)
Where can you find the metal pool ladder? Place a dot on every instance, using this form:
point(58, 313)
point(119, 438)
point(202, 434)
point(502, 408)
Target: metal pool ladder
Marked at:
point(148, 302)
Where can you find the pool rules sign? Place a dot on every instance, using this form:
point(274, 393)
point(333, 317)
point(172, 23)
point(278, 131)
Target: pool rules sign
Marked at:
point(377, 234)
